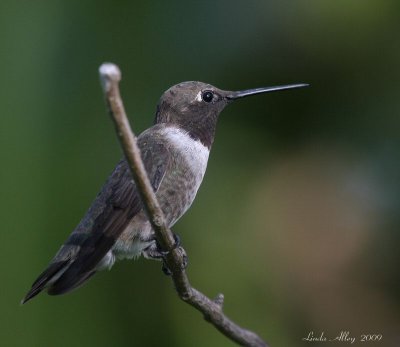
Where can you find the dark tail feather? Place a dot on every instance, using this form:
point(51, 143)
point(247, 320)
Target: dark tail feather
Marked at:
point(44, 279)
point(65, 283)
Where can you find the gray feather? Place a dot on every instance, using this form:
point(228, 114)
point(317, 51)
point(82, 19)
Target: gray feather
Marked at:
point(114, 207)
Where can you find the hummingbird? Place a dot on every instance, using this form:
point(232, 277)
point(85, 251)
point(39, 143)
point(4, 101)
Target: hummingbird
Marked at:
point(175, 153)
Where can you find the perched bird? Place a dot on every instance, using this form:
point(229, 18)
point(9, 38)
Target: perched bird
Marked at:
point(175, 153)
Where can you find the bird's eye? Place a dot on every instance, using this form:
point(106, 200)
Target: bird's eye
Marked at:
point(207, 95)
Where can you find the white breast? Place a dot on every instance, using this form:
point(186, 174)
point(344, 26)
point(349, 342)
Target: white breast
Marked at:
point(193, 151)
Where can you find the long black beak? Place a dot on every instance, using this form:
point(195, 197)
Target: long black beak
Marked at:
point(244, 93)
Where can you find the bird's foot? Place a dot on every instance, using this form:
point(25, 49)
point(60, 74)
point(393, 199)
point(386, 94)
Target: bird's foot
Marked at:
point(154, 251)
point(177, 244)
point(185, 261)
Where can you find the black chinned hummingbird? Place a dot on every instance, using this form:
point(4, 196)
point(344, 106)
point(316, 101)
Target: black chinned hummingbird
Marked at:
point(175, 152)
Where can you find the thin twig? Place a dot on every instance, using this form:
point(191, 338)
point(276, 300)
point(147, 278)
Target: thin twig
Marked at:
point(110, 76)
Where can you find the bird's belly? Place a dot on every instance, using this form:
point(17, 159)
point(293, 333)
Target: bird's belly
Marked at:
point(177, 192)
point(134, 239)
point(175, 195)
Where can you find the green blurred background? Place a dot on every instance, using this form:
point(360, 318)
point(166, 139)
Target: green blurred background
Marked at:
point(297, 221)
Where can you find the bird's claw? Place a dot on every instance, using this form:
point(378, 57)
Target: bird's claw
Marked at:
point(154, 251)
point(185, 261)
point(176, 245)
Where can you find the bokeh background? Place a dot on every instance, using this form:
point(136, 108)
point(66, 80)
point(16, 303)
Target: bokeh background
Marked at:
point(298, 219)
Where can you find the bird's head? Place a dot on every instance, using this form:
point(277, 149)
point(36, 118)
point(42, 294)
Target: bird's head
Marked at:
point(195, 106)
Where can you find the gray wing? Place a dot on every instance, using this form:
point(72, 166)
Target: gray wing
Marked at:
point(114, 207)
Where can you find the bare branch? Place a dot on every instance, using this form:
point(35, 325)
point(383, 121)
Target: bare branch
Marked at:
point(110, 76)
